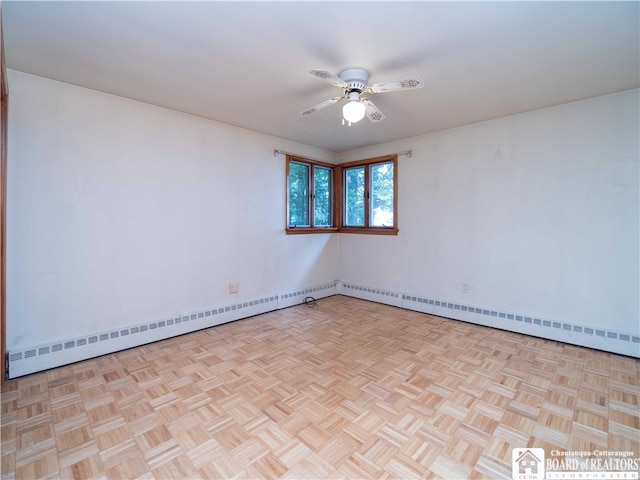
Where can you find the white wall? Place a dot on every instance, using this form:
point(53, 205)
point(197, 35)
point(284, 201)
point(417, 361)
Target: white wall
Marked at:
point(538, 213)
point(121, 212)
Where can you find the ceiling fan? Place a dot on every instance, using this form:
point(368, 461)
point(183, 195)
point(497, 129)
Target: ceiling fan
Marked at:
point(354, 83)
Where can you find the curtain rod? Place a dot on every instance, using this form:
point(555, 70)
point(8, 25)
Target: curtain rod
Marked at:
point(277, 152)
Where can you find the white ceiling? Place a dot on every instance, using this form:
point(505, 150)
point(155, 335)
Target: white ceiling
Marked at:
point(246, 63)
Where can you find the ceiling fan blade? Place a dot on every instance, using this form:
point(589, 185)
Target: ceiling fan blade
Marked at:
point(371, 111)
point(406, 84)
point(327, 76)
point(320, 106)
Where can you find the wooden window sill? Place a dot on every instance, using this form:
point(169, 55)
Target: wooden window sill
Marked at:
point(307, 230)
point(369, 231)
point(353, 230)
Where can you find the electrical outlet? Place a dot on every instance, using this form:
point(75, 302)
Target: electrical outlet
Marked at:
point(465, 288)
point(233, 287)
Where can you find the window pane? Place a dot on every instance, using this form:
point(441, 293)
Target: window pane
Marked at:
point(382, 195)
point(322, 200)
point(298, 195)
point(354, 197)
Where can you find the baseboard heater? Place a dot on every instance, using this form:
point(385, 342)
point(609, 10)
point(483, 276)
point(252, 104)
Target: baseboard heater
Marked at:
point(624, 343)
point(63, 352)
point(43, 357)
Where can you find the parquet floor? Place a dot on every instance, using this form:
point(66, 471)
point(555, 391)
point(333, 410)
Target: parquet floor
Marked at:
point(348, 389)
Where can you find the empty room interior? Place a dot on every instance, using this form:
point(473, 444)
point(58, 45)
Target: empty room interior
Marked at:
point(320, 239)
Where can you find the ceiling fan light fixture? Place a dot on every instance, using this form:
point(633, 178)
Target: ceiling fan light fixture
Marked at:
point(354, 82)
point(353, 110)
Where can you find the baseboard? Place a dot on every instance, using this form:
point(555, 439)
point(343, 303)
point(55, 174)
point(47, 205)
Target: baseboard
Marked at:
point(63, 352)
point(43, 357)
point(296, 297)
point(623, 343)
point(378, 295)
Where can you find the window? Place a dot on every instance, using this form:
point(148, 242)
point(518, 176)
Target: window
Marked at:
point(365, 202)
point(369, 197)
point(299, 192)
point(354, 197)
point(310, 199)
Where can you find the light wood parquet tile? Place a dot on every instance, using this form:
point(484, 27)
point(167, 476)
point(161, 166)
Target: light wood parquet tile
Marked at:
point(348, 389)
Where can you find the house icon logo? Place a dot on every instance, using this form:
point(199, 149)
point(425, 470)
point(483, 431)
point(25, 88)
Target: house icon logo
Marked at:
point(527, 463)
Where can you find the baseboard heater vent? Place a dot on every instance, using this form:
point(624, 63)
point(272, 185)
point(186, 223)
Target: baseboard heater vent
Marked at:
point(624, 343)
point(387, 297)
point(63, 352)
point(296, 297)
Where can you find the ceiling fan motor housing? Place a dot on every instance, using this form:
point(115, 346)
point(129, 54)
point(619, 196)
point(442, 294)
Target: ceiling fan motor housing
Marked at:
point(356, 79)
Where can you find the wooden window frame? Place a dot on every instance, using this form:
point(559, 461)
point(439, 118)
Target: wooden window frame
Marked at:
point(367, 229)
point(334, 194)
point(339, 195)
